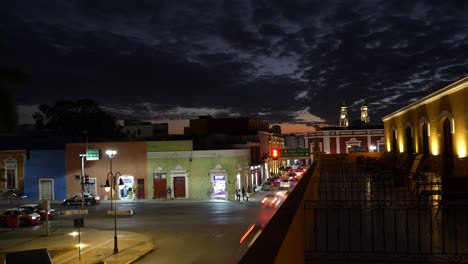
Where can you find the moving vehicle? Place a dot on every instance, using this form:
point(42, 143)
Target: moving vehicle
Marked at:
point(285, 183)
point(25, 218)
point(271, 200)
point(37, 208)
point(267, 185)
point(282, 193)
point(89, 199)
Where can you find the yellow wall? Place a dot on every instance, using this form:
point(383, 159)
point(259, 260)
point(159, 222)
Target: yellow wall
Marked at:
point(433, 107)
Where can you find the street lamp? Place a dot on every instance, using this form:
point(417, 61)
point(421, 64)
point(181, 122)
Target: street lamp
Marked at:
point(111, 154)
point(109, 187)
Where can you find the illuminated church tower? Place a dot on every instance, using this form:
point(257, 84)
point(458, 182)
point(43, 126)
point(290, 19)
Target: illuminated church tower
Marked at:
point(365, 113)
point(344, 116)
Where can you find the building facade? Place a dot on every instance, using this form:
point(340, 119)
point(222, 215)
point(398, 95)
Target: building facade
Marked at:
point(337, 141)
point(129, 164)
point(45, 175)
point(435, 126)
point(202, 174)
point(12, 170)
point(148, 169)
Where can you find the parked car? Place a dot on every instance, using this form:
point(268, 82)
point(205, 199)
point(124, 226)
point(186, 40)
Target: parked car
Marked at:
point(271, 200)
point(37, 208)
point(25, 218)
point(89, 199)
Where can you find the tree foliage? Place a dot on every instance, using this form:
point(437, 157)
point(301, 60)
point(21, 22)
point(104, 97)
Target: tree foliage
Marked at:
point(73, 118)
point(8, 114)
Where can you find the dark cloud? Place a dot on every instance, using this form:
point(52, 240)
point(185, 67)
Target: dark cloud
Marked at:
point(275, 59)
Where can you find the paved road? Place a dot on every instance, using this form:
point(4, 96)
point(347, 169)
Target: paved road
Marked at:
point(183, 231)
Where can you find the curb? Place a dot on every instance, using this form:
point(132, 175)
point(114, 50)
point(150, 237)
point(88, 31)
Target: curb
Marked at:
point(141, 256)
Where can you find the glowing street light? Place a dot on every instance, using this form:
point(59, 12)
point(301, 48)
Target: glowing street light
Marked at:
point(109, 187)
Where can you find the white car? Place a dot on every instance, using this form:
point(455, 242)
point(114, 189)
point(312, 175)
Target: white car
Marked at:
point(285, 183)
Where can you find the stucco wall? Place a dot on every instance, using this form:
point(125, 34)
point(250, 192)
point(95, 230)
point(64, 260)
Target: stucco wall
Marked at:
point(130, 160)
point(433, 108)
point(198, 165)
point(45, 164)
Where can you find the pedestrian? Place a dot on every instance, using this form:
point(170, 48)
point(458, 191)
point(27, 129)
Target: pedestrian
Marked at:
point(243, 193)
point(237, 195)
point(169, 191)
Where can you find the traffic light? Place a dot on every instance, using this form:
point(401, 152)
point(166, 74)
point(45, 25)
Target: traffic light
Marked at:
point(275, 153)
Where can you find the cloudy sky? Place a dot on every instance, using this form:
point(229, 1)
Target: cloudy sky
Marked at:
point(291, 63)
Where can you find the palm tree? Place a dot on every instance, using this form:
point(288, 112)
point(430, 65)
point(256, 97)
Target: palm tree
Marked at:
point(8, 115)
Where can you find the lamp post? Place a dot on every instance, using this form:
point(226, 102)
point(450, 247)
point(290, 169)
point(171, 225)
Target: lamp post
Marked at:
point(111, 154)
point(109, 187)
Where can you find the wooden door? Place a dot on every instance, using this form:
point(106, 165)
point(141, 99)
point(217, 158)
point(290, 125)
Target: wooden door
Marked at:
point(160, 185)
point(179, 187)
point(141, 189)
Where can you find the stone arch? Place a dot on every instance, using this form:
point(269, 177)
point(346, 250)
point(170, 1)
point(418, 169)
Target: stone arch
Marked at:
point(423, 135)
point(409, 138)
point(442, 117)
point(446, 128)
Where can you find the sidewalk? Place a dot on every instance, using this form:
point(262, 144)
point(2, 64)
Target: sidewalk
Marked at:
point(97, 245)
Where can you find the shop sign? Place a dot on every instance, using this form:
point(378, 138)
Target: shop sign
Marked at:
point(295, 153)
point(92, 154)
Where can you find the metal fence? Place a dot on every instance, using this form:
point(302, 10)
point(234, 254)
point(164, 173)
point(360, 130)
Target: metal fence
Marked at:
point(361, 217)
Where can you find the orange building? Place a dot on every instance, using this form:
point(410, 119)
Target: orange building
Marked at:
point(129, 163)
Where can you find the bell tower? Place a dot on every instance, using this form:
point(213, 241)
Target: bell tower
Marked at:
point(344, 115)
point(365, 113)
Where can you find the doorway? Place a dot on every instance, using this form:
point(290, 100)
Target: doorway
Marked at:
point(219, 187)
point(447, 149)
point(46, 189)
point(141, 188)
point(160, 185)
point(179, 187)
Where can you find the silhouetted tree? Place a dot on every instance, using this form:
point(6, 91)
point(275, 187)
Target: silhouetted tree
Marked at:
point(8, 114)
point(71, 119)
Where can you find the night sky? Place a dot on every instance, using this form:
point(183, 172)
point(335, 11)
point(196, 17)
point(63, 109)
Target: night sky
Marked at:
point(287, 62)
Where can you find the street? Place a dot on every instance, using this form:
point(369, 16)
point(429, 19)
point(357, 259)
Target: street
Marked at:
point(183, 231)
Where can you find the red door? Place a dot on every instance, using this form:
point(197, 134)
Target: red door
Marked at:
point(160, 186)
point(179, 187)
point(141, 189)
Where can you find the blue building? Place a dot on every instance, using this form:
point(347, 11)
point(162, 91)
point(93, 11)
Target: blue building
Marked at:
point(45, 175)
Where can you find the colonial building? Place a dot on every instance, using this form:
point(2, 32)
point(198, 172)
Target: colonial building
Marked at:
point(436, 127)
point(149, 168)
point(239, 133)
point(336, 140)
point(12, 170)
point(33, 167)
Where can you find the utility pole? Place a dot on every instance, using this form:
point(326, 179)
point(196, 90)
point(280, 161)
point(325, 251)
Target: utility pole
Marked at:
point(83, 156)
